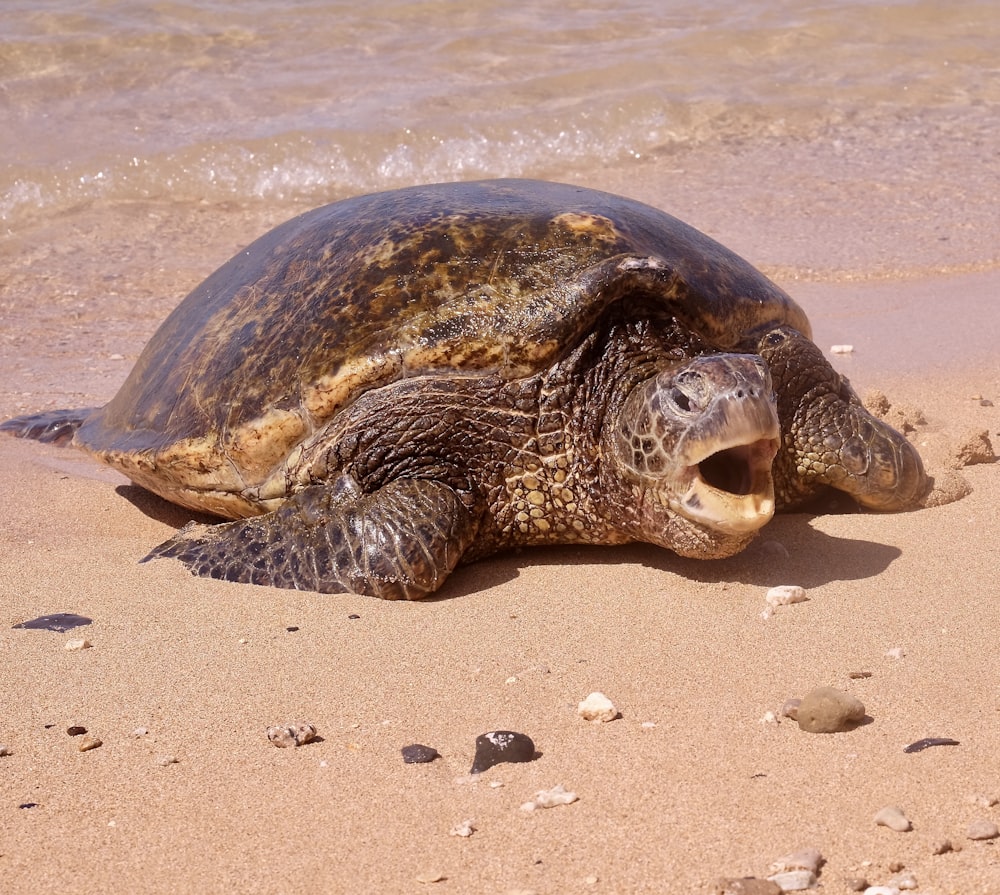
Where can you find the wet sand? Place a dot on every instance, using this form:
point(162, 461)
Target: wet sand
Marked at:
point(687, 786)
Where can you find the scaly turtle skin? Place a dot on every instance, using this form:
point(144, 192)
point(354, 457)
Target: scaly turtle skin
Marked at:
point(389, 385)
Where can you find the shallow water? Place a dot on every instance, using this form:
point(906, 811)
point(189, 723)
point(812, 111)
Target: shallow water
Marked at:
point(261, 100)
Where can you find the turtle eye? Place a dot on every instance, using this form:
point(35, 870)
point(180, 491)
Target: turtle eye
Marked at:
point(775, 337)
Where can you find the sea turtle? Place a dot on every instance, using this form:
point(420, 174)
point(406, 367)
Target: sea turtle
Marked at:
point(389, 385)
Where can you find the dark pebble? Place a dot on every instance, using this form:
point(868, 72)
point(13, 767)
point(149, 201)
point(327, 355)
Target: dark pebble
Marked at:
point(28, 805)
point(292, 628)
point(419, 754)
point(927, 742)
point(60, 622)
point(76, 730)
point(499, 746)
point(353, 616)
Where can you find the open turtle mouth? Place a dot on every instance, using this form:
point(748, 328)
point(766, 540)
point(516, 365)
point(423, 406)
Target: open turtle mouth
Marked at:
point(728, 471)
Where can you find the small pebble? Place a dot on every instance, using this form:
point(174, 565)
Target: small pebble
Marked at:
point(841, 349)
point(747, 885)
point(941, 847)
point(882, 890)
point(897, 652)
point(859, 675)
point(982, 801)
point(896, 866)
point(76, 730)
point(88, 743)
point(803, 859)
point(60, 622)
point(77, 644)
point(829, 710)
point(597, 707)
point(430, 876)
point(893, 818)
point(291, 735)
point(905, 881)
point(140, 732)
point(856, 883)
point(927, 742)
point(794, 880)
point(419, 754)
point(499, 746)
point(550, 798)
point(465, 829)
point(982, 829)
point(5, 751)
point(167, 760)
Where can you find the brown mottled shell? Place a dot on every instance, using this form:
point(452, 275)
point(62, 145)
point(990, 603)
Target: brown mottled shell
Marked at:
point(495, 277)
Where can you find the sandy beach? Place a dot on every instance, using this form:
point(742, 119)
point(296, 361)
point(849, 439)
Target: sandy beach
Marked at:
point(694, 782)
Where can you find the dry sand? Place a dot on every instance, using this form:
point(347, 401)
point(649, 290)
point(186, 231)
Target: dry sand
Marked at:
point(687, 786)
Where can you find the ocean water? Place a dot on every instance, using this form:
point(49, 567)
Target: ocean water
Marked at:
point(266, 100)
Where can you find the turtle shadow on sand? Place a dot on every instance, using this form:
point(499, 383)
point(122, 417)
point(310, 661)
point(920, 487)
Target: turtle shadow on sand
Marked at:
point(160, 510)
point(814, 559)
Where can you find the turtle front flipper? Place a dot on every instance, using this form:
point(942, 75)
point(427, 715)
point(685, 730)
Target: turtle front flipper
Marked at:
point(49, 426)
point(401, 541)
point(829, 438)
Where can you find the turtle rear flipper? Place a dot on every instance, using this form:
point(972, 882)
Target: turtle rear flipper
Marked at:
point(49, 426)
point(401, 541)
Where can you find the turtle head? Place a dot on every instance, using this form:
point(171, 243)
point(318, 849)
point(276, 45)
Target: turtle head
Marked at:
point(829, 438)
point(694, 444)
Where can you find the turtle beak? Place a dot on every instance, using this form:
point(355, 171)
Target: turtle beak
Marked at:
point(729, 482)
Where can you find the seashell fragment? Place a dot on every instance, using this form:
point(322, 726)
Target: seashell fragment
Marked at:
point(298, 733)
point(794, 880)
point(597, 707)
point(803, 859)
point(785, 595)
point(79, 643)
point(465, 829)
point(982, 830)
point(893, 818)
point(550, 798)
